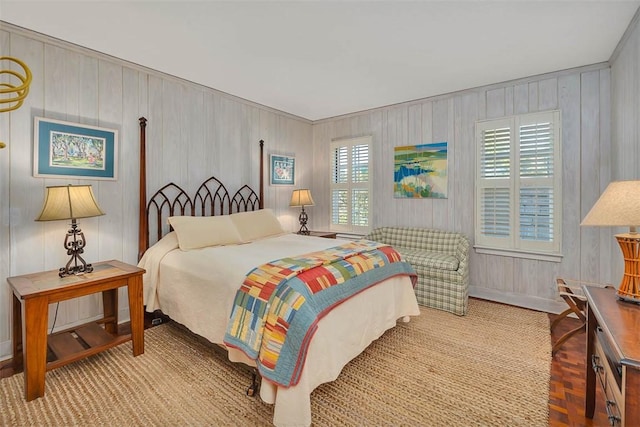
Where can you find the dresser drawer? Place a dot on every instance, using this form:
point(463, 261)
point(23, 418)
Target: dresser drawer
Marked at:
point(607, 379)
point(613, 356)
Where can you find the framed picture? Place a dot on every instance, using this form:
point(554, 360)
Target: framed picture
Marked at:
point(283, 170)
point(420, 171)
point(71, 150)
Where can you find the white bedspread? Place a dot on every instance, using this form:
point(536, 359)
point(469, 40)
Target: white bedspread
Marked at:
point(196, 288)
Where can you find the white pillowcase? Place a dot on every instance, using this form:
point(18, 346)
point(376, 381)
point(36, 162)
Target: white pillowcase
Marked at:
point(258, 224)
point(201, 231)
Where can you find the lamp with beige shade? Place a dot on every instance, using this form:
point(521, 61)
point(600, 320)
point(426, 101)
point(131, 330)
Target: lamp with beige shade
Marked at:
point(619, 206)
point(71, 202)
point(302, 198)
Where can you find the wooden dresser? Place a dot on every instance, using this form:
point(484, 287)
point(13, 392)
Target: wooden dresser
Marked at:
point(613, 356)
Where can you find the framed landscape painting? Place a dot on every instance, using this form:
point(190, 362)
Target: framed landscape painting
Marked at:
point(71, 150)
point(420, 171)
point(283, 170)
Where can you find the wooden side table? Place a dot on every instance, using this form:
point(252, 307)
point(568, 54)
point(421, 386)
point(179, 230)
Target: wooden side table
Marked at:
point(32, 294)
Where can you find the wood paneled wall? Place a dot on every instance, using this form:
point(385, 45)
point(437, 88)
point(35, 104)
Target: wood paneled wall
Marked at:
point(193, 132)
point(625, 106)
point(625, 128)
point(583, 96)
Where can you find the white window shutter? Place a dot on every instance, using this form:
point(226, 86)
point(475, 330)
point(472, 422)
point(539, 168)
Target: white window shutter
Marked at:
point(495, 212)
point(518, 183)
point(350, 185)
point(494, 199)
point(495, 154)
point(539, 215)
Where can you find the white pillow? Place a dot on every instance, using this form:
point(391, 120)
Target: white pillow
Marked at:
point(201, 231)
point(254, 225)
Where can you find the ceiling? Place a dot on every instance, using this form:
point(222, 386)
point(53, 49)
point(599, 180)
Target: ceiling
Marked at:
point(319, 59)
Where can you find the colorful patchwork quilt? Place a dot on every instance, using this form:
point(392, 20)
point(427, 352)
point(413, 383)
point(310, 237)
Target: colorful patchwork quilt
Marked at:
point(276, 310)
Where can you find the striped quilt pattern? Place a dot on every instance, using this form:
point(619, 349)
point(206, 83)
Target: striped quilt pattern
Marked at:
point(276, 309)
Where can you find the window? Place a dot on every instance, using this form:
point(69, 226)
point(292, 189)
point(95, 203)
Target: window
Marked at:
point(518, 204)
point(350, 185)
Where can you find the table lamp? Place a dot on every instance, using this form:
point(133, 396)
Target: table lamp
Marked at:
point(302, 198)
point(619, 205)
point(71, 202)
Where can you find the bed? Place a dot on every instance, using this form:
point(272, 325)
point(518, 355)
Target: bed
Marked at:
point(193, 278)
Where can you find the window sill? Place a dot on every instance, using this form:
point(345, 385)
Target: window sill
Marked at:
point(514, 253)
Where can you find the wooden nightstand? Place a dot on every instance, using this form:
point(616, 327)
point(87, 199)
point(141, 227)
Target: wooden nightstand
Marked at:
point(325, 234)
point(32, 294)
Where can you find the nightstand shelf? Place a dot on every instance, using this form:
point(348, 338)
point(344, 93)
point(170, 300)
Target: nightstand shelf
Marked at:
point(80, 342)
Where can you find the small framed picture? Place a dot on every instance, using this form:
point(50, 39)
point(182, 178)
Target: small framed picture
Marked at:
point(283, 170)
point(71, 150)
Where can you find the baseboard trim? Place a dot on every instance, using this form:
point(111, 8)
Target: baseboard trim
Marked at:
point(6, 350)
point(518, 300)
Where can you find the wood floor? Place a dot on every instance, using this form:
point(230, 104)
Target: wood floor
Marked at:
point(567, 387)
point(566, 390)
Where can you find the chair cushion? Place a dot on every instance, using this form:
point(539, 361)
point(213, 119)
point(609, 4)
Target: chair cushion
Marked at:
point(423, 258)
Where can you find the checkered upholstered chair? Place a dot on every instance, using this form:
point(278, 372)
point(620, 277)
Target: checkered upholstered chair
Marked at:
point(441, 260)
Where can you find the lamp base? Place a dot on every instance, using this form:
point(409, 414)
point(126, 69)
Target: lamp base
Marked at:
point(80, 269)
point(74, 243)
point(629, 289)
point(628, 299)
point(303, 218)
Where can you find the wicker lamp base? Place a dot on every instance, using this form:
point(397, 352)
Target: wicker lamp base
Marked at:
point(629, 289)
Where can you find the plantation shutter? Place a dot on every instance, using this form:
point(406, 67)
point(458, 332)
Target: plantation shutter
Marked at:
point(518, 183)
point(350, 185)
point(495, 200)
point(360, 185)
point(538, 142)
point(339, 193)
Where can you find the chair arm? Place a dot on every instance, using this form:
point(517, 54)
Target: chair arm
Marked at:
point(376, 235)
point(462, 253)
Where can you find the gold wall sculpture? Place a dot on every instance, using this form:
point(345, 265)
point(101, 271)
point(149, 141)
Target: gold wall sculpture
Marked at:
point(13, 93)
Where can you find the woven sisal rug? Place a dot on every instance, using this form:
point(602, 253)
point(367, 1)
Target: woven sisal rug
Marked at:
point(490, 368)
